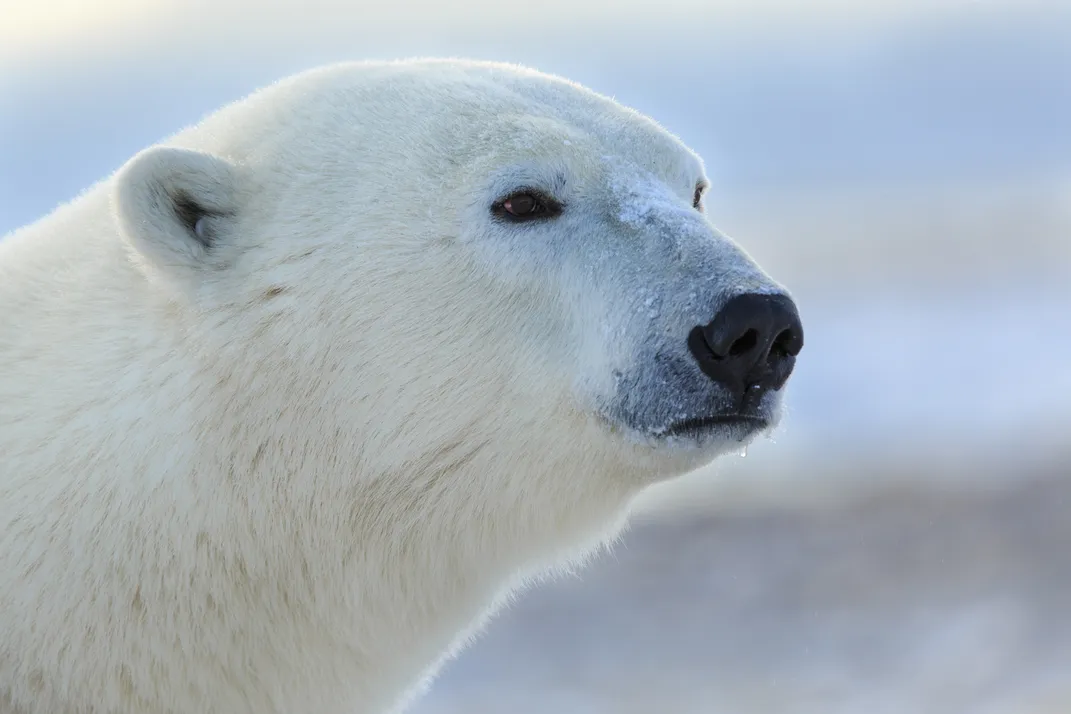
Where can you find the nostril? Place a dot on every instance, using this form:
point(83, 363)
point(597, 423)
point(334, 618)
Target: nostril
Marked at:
point(788, 343)
point(746, 343)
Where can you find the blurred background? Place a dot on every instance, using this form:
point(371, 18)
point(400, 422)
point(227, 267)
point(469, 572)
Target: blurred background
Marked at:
point(903, 543)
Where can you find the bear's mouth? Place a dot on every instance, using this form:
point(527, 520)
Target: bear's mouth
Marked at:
point(741, 424)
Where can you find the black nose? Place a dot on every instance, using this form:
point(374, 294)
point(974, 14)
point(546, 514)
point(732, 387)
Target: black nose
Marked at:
point(751, 344)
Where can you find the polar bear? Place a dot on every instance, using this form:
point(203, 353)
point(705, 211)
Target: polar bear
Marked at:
point(295, 399)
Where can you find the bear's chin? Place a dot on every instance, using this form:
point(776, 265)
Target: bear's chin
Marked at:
point(711, 436)
point(700, 430)
point(696, 440)
point(702, 433)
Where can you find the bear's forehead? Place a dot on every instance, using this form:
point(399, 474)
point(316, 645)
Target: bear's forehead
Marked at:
point(535, 117)
point(499, 106)
point(590, 150)
point(537, 108)
point(445, 117)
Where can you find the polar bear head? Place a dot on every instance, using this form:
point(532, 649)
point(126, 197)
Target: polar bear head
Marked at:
point(409, 263)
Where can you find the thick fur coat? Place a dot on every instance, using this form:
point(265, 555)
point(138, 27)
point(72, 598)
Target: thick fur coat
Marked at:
point(292, 402)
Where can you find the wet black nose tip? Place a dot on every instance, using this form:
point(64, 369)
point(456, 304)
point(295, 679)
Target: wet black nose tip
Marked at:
point(751, 343)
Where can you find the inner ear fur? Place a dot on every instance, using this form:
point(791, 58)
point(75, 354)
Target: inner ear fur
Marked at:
point(174, 205)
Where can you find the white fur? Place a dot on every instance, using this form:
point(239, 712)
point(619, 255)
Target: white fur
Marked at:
point(290, 457)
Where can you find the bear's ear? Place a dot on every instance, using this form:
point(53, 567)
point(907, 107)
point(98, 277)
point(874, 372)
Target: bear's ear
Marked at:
point(173, 205)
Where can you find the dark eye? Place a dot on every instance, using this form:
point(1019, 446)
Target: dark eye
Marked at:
point(527, 206)
point(697, 199)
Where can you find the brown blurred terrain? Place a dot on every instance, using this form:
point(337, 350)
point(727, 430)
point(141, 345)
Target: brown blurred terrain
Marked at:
point(901, 599)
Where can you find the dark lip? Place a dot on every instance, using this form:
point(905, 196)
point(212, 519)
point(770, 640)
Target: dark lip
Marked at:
point(700, 425)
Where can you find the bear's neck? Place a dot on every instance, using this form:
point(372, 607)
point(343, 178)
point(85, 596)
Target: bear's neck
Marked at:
point(387, 582)
point(373, 569)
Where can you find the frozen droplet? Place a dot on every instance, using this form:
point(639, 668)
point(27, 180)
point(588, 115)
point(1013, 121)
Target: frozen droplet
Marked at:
point(743, 453)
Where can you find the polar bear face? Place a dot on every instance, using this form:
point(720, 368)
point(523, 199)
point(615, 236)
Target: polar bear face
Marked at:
point(432, 253)
point(609, 221)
